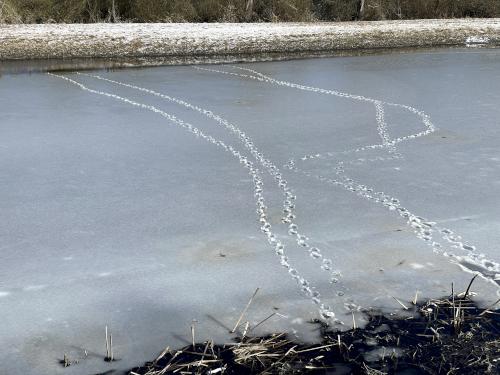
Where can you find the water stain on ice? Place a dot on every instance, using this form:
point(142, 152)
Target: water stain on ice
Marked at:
point(218, 250)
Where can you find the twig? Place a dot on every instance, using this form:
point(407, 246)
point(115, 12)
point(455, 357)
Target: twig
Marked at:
point(111, 357)
point(163, 353)
point(204, 353)
point(192, 335)
point(488, 308)
point(316, 348)
point(244, 311)
point(415, 299)
point(262, 321)
point(401, 303)
point(245, 330)
point(470, 284)
point(109, 346)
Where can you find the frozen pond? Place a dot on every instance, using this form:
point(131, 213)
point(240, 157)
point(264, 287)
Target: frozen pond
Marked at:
point(144, 199)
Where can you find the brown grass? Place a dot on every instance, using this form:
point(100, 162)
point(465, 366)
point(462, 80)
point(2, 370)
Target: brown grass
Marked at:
point(69, 11)
point(451, 335)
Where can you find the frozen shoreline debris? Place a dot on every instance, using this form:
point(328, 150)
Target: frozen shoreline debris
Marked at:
point(451, 335)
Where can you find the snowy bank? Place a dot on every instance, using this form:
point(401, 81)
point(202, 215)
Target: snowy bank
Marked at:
point(143, 40)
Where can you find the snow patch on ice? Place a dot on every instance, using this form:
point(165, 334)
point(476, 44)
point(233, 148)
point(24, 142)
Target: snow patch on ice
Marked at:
point(476, 40)
point(416, 266)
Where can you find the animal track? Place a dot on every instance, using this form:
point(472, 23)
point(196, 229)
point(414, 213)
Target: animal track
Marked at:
point(423, 228)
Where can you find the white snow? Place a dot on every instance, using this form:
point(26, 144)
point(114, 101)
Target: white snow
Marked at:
point(475, 40)
point(119, 40)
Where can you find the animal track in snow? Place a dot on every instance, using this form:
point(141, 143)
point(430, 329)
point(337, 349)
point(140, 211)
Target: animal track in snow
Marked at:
point(266, 228)
point(423, 228)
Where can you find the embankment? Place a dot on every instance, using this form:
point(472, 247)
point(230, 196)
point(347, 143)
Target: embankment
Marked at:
point(61, 41)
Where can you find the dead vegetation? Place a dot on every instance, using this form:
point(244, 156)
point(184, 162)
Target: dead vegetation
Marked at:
point(451, 335)
point(70, 11)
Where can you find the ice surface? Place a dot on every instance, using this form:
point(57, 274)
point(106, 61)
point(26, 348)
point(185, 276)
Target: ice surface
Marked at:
point(143, 199)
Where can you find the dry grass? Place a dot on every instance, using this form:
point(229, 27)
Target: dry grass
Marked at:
point(43, 11)
point(450, 335)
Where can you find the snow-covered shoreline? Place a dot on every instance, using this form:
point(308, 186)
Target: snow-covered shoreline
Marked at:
point(174, 39)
